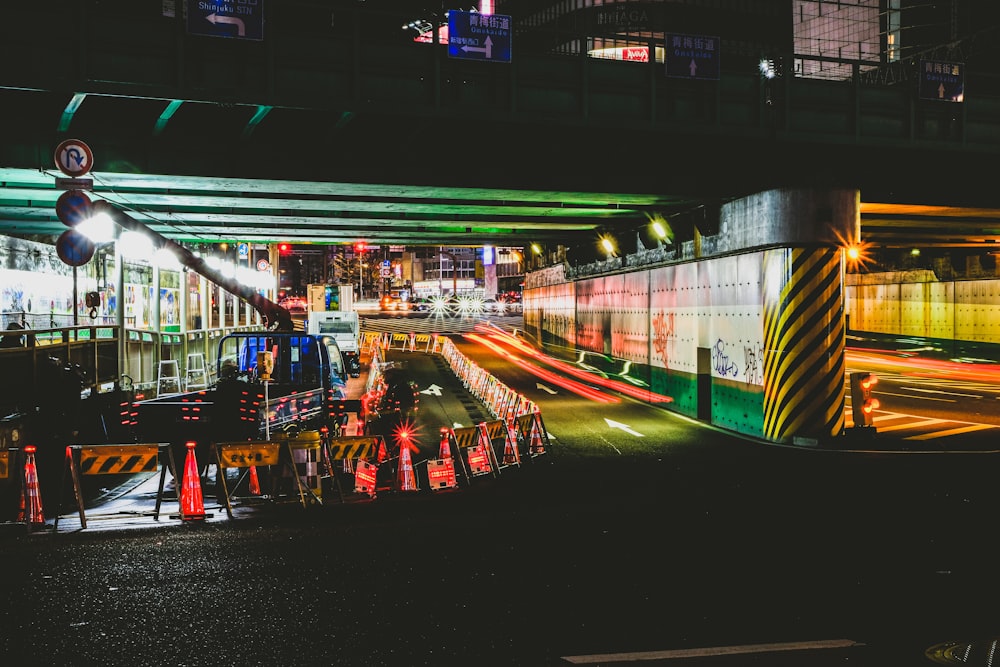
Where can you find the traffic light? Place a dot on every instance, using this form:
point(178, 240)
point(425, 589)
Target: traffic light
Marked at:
point(359, 247)
point(284, 249)
point(862, 403)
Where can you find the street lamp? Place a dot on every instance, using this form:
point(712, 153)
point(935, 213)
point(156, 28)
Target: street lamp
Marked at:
point(609, 247)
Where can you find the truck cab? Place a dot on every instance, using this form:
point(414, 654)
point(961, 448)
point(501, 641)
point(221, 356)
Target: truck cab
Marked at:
point(344, 328)
point(301, 361)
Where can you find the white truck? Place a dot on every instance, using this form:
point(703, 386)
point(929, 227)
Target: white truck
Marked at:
point(344, 327)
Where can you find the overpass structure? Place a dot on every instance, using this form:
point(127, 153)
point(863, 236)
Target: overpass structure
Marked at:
point(332, 126)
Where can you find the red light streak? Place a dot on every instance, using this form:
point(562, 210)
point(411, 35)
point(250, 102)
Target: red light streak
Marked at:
point(614, 385)
point(565, 383)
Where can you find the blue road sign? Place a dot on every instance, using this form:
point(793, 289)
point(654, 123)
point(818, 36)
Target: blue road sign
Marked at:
point(692, 56)
point(74, 248)
point(73, 207)
point(239, 19)
point(942, 81)
point(475, 36)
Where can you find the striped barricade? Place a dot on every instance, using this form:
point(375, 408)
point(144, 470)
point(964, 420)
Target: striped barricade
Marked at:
point(359, 449)
point(497, 433)
point(533, 432)
point(115, 460)
point(246, 456)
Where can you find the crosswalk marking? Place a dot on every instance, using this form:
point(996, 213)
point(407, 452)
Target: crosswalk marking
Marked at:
point(954, 431)
point(918, 424)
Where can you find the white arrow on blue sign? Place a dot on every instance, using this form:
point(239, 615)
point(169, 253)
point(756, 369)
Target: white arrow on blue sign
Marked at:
point(475, 36)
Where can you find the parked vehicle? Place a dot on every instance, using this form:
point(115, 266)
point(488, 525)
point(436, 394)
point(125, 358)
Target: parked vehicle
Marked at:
point(306, 389)
point(344, 326)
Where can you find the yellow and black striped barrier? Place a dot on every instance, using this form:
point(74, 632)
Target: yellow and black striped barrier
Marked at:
point(115, 460)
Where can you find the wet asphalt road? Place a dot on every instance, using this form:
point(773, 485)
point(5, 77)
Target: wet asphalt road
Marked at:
point(702, 541)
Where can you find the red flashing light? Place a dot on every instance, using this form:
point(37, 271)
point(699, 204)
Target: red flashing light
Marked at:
point(30, 449)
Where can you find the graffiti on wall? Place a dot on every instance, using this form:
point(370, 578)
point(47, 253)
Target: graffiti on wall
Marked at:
point(663, 329)
point(727, 364)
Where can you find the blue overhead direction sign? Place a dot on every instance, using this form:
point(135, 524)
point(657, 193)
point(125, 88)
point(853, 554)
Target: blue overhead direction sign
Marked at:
point(239, 19)
point(943, 81)
point(692, 56)
point(475, 36)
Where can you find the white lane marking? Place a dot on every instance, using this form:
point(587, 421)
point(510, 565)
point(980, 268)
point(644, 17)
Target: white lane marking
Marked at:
point(681, 654)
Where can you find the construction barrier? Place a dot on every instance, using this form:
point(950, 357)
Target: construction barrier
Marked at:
point(245, 456)
point(359, 449)
point(305, 452)
point(113, 460)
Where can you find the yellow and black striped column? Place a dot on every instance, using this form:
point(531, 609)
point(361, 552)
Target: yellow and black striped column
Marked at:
point(804, 343)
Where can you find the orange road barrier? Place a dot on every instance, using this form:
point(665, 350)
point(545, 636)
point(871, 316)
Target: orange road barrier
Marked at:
point(441, 474)
point(248, 455)
point(31, 498)
point(511, 453)
point(123, 459)
point(364, 478)
point(192, 501)
point(533, 429)
point(354, 451)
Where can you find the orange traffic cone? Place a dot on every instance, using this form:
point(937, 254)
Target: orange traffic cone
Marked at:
point(31, 497)
point(382, 455)
point(445, 450)
point(192, 503)
point(254, 482)
point(406, 480)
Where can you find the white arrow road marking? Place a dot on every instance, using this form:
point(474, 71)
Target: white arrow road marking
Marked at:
point(545, 388)
point(432, 390)
point(619, 425)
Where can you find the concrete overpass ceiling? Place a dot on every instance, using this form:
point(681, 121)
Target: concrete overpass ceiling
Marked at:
point(338, 127)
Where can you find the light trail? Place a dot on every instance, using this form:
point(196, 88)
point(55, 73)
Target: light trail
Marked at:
point(565, 383)
point(570, 369)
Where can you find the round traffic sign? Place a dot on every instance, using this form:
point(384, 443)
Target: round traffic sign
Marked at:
point(263, 265)
point(73, 207)
point(74, 248)
point(74, 158)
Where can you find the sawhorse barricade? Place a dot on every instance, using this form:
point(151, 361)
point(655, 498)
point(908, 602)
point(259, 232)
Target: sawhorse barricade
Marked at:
point(114, 460)
point(355, 451)
point(474, 452)
point(533, 432)
point(245, 455)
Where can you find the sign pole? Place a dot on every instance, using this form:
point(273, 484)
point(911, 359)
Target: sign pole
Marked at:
point(267, 416)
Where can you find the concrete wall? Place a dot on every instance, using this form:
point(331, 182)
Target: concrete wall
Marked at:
point(749, 335)
point(917, 304)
